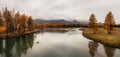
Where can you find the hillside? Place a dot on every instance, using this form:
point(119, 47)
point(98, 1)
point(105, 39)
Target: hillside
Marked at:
point(41, 21)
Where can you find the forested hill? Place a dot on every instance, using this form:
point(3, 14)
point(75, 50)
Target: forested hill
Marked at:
point(41, 21)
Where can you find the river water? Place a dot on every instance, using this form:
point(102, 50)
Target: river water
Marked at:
point(55, 44)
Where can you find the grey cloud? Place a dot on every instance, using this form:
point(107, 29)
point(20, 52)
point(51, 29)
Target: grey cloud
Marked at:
point(53, 9)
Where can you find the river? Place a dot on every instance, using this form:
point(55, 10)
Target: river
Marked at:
point(55, 44)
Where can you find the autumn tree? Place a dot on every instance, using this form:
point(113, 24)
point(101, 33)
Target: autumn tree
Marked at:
point(93, 24)
point(14, 22)
point(7, 16)
point(30, 23)
point(1, 20)
point(109, 22)
point(17, 18)
point(22, 23)
point(26, 23)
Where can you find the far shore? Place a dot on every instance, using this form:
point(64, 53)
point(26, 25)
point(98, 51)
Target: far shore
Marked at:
point(103, 37)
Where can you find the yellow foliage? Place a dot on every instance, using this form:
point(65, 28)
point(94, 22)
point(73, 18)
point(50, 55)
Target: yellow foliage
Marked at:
point(2, 29)
point(106, 26)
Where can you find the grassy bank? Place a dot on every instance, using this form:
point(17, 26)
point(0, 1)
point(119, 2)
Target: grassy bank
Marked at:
point(104, 38)
point(12, 35)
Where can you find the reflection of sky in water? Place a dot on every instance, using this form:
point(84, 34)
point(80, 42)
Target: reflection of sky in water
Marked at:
point(49, 44)
point(70, 44)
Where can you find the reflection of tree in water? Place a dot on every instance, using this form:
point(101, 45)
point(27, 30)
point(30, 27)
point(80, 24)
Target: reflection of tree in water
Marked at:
point(15, 47)
point(23, 44)
point(93, 48)
point(9, 44)
point(1, 46)
point(109, 51)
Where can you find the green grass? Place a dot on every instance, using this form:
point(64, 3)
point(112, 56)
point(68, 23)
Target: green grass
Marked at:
point(103, 37)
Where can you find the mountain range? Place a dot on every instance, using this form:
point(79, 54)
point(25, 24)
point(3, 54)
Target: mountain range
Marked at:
point(41, 21)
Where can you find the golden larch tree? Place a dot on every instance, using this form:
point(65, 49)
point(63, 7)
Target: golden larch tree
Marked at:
point(109, 22)
point(1, 20)
point(93, 24)
point(31, 23)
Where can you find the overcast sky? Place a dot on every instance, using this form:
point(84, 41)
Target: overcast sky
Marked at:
point(67, 9)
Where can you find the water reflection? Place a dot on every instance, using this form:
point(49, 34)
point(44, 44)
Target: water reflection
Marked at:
point(93, 48)
point(49, 44)
point(109, 51)
point(9, 44)
point(15, 47)
point(1, 47)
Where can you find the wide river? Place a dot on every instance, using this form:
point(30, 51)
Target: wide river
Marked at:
point(55, 44)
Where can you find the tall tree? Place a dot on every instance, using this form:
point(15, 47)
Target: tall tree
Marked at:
point(17, 18)
point(23, 25)
point(8, 18)
point(1, 20)
point(5, 15)
point(109, 22)
point(93, 23)
point(30, 23)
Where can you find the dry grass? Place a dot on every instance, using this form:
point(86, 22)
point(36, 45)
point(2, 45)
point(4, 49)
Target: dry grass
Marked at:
point(13, 34)
point(102, 35)
point(29, 32)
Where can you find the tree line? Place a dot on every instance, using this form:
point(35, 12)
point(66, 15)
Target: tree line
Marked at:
point(15, 22)
point(60, 25)
point(108, 24)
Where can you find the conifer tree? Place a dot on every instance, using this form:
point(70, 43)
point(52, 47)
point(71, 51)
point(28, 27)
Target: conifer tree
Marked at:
point(109, 22)
point(1, 20)
point(93, 24)
point(30, 23)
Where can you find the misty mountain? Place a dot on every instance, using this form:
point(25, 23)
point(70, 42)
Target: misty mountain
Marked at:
point(41, 21)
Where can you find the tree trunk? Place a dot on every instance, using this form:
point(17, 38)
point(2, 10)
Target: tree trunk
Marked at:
point(109, 31)
point(94, 32)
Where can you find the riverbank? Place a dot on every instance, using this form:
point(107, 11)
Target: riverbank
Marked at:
point(112, 40)
point(12, 35)
point(60, 30)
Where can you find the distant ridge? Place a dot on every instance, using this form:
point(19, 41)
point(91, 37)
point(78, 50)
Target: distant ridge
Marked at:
point(41, 21)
